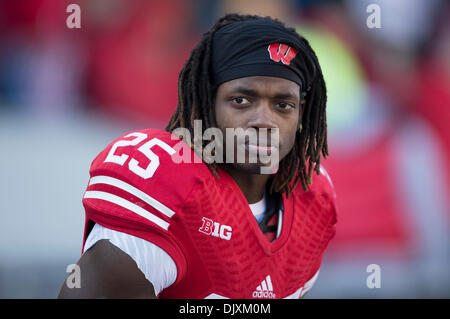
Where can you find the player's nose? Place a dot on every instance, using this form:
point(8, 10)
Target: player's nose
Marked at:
point(262, 117)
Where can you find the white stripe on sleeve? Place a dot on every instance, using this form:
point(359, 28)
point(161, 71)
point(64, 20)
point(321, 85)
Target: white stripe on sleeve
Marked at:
point(134, 191)
point(302, 290)
point(309, 284)
point(128, 205)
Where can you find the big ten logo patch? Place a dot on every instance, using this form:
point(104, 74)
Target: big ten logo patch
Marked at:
point(210, 227)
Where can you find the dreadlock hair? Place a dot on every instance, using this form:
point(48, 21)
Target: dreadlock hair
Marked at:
point(196, 94)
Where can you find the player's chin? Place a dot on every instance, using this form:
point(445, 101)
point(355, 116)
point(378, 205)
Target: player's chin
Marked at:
point(256, 168)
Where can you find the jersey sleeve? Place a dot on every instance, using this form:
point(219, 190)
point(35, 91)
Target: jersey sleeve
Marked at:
point(139, 186)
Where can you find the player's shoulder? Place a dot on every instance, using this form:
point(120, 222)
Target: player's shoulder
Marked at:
point(151, 159)
point(322, 185)
point(322, 193)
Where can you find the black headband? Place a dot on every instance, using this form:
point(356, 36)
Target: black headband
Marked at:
point(260, 47)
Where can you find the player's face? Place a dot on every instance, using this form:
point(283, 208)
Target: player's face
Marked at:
point(259, 102)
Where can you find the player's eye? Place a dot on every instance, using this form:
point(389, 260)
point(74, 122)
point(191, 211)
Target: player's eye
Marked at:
point(285, 106)
point(240, 100)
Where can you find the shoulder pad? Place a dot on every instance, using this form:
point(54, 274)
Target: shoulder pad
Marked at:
point(149, 160)
point(322, 183)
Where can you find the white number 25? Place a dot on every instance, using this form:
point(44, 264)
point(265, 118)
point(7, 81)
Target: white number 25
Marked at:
point(133, 165)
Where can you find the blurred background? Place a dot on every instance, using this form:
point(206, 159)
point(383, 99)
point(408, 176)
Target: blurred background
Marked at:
point(66, 93)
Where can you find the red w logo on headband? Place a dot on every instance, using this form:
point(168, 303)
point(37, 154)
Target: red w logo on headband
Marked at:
point(281, 52)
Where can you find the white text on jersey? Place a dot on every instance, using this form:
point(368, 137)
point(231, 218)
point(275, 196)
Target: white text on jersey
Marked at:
point(210, 227)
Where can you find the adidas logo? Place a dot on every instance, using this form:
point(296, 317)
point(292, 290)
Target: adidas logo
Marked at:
point(265, 289)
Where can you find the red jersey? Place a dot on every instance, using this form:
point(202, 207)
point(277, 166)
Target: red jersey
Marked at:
point(140, 187)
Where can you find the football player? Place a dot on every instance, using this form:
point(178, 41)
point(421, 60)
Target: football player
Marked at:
point(158, 226)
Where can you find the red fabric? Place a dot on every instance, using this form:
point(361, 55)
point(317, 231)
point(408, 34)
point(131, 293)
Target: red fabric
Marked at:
point(209, 264)
point(134, 68)
point(433, 103)
point(372, 217)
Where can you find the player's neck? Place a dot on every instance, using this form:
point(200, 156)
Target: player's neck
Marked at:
point(251, 185)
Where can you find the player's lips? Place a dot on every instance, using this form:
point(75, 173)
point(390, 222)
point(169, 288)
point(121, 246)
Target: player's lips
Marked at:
point(259, 148)
point(254, 148)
